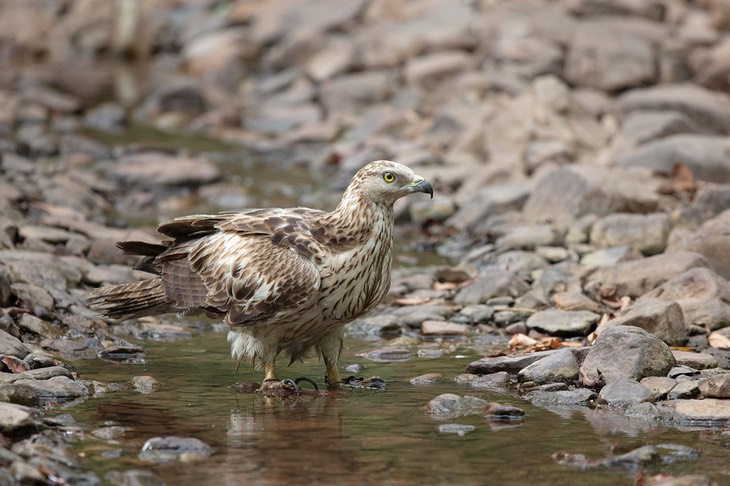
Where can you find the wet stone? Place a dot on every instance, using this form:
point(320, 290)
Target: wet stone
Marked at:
point(458, 429)
point(710, 412)
point(387, 355)
point(16, 417)
point(717, 386)
point(495, 381)
point(56, 389)
point(561, 367)
point(624, 392)
point(167, 449)
point(450, 405)
point(563, 323)
point(145, 384)
point(659, 386)
point(579, 396)
point(684, 389)
point(682, 371)
point(663, 319)
point(427, 379)
point(499, 411)
point(625, 352)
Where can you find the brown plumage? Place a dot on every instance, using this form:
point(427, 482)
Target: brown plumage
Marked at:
point(286, 280)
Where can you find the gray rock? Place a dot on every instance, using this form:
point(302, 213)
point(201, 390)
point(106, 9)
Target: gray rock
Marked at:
point(12, 346)
point(56, 389)
point(527, 237)
point(626, 352)
point(709, 201)
point(458, 429)
point(513, 364)
point(498, 411)
point(576, 301)
point(609, 57)
point(485, 201)
point(698, 361)
point(494, 381)
point(427, 379)
point(444, 328)
point(717, 386)
point(18, 394)
point(15, 417)
point(432, 68)
point(372, 327)
point(563, 323)
point(659, 386)
point(609, 256)
point(710, 412)
point(624, 392)
point(711, 241)
point(493, 283)
point(559, 367)
point(145, 384)
point(350, 92)
point(644, 126)
point(704, 155)
point(566, 193)
point(166, 449)
point(708, 109)
point(684, 389)
point(647, 233)
point(153, 170)
point(635, 278)
point(449, 405)
point(641, 456)
point(703, 295)
point(107, 117)
point(663, 319)
point(579, 396)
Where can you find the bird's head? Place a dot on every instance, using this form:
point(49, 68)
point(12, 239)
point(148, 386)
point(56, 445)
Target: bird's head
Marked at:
point(385, 182)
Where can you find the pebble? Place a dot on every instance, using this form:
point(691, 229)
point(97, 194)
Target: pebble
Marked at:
point(449, 405)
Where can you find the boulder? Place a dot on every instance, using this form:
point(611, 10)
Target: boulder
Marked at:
point(663, 319)
point(647, 233)
point(703, 295)
point(566, 193)
point(563, 323)
point(704, 155)
point(559, 367)
point(711, 240)
point(637, 277)
point(626, 352)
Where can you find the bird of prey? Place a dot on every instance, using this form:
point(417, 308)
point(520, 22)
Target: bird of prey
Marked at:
point(285, 280)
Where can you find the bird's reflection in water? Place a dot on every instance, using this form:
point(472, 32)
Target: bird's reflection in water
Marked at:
point(273, 440)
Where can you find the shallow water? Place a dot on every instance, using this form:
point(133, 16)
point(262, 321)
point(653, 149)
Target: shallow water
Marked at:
point(347, 437)
point(352, 437)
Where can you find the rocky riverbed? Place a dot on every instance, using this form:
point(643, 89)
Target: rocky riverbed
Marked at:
point(578, 150)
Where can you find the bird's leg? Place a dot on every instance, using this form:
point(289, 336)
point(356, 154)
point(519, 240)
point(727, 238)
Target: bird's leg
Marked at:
point(270, 371)
point(330, 347)
point(273, 387)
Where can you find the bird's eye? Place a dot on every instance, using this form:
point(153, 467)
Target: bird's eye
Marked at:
point(388, 177)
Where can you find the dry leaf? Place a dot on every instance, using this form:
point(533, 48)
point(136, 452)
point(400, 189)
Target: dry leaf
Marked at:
point(719, 341)
point(521, 342)
point(412, 301)
point(15, 365)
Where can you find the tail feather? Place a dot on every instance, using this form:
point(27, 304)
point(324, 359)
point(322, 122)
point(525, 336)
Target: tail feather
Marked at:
point(127, 301)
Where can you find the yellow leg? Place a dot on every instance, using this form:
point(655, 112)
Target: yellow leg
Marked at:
point(271, 372)
point(332, 374)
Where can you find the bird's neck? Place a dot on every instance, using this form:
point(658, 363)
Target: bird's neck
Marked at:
point(358, 215)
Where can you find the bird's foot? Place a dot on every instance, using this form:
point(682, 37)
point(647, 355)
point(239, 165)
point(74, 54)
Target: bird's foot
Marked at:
point(285, 388)
point(359, 383)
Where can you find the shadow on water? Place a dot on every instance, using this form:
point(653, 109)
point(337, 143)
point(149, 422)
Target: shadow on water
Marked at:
point(347, 437)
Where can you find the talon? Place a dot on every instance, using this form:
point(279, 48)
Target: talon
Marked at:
point(276, 388)
point(308, 380)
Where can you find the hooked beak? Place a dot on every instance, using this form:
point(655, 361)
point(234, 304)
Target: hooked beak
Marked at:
point(419, 184)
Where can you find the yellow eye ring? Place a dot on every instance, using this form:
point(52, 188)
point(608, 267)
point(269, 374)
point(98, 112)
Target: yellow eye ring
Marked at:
point(388, 177)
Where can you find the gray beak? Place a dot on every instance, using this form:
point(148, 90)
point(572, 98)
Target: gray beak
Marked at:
point(420, 184)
